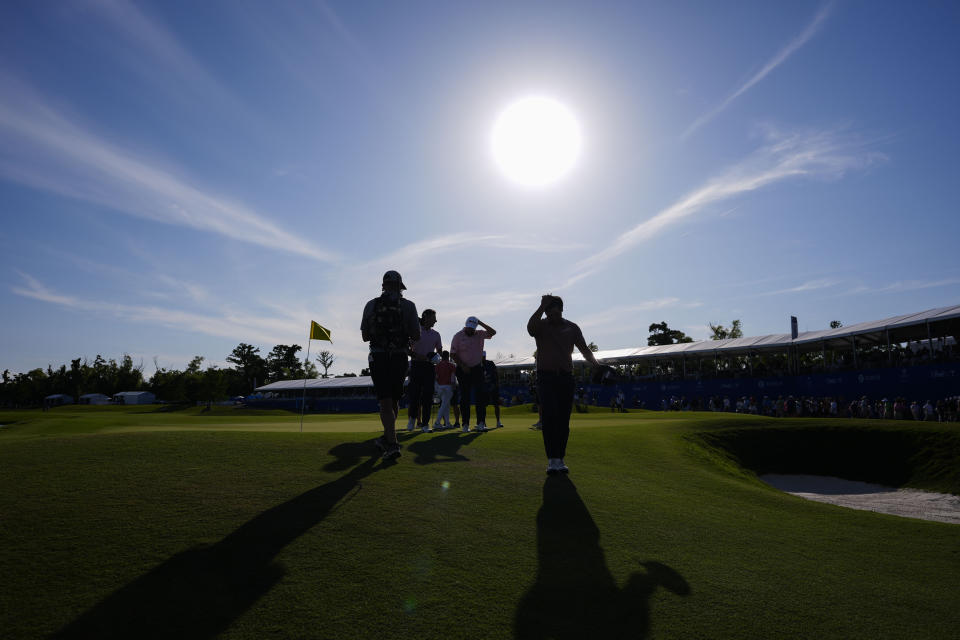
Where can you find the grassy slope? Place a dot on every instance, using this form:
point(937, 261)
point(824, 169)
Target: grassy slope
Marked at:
point(918, 455)
point(270, 533)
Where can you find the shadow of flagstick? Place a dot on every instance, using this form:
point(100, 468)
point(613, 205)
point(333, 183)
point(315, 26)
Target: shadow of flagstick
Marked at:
point(200, 592)
point(574, 595)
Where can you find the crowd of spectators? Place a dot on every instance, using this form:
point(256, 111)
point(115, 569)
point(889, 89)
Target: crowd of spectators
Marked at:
point(942, 410)
point(780, 364)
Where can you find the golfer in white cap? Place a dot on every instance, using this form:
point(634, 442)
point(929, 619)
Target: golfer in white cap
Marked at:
point(466, 349)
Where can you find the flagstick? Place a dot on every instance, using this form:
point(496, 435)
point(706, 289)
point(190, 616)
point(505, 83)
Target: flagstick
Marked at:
point(303, 401)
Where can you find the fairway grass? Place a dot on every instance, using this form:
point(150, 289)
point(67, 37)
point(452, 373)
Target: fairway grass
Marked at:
point(127, 522)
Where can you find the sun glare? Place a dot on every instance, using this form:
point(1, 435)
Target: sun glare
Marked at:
point(535, 141)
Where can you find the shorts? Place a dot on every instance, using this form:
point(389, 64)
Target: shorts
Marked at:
point(388, 371)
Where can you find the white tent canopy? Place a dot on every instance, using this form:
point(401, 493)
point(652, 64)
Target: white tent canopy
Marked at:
point(913, 326)
point(59, 398)
point(135, 397)
point(94, 398)
point(347, 382)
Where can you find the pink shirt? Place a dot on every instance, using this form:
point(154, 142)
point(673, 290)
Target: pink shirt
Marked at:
point(445, 371)
point(469, 348)
point(428, 343)
point(555, 343)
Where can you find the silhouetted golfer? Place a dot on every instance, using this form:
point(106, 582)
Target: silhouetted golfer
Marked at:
point(466, 349)
point(390, 324)
point(556, 337)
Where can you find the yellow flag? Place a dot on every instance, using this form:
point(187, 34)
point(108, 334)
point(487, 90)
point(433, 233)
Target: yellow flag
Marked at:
point(319, 333)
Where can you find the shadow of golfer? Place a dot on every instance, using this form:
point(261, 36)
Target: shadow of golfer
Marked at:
point(198, 593)
point(445, 448)
point(574, 595)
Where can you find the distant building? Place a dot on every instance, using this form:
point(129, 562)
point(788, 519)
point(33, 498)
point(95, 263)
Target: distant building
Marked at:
point(353, 394)
point(94, 398)
point(58, 399)
point(134, 397)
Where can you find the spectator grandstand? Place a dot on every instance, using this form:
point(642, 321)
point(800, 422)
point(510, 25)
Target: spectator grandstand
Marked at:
point(913, 355)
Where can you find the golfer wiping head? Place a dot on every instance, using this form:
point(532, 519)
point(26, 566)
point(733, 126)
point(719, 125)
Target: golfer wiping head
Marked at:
point(556, 337)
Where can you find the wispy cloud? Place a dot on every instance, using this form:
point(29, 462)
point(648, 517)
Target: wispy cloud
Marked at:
point(171, 287)
point(194, 291)
point(773, 63)
point(825, 154)
point(903, 285)
point(152, 50)
point(230, 324)
point(835, 283)
point(810, 285)
point(456, 293)
point(627, 314)
point(37, 291)
point(299, 38)
point(415, 253)
point(45, 150)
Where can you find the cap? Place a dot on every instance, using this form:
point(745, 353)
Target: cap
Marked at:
point(471, 322)
point(391, 277)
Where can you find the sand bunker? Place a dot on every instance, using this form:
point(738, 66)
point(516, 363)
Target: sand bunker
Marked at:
point(909, 503)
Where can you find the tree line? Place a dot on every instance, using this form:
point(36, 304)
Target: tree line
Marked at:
point(661, 334)
point(195, 383)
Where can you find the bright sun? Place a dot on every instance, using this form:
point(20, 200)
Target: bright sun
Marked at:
point(535, 141)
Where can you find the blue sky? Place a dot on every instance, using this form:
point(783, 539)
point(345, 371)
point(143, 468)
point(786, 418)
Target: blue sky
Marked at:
point(180, 177)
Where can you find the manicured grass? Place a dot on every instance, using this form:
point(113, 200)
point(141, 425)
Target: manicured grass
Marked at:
point(131, 523)
point(79, 420)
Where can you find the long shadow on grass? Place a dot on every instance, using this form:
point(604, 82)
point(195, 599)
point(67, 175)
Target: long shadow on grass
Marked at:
point(199, 593)
point(444, 448)
point(575, 595)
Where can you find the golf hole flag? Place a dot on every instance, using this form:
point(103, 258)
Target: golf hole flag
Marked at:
point(319, 333)
point(316, 333)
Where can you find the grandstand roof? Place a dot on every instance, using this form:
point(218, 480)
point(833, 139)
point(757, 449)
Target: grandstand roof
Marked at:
point(912, 326)
point(319, 383)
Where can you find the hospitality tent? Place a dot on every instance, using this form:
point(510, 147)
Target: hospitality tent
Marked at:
point(135, 397)
point(348, 385)
point(94, 398)
point(349, 394)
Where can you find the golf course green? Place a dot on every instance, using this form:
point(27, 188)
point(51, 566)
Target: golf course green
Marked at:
point(152, 522)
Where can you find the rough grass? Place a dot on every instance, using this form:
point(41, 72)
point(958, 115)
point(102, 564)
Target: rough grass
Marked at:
point(131, 523)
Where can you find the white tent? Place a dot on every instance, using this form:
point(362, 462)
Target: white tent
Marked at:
point(94, 398)
point(943, 321)
point(135, 397)
point(347, 382)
